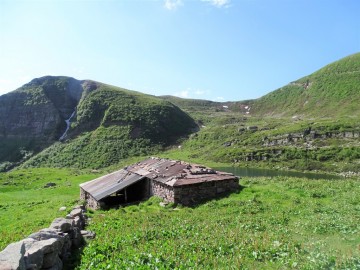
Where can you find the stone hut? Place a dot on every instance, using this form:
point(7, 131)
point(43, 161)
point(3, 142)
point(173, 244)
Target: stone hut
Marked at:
point(172, 180)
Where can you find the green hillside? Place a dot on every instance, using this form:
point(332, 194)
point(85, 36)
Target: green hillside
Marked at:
point(109, 123)
point(332, 91)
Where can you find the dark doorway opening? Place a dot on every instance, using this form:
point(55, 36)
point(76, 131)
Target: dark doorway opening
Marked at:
point(133, 193)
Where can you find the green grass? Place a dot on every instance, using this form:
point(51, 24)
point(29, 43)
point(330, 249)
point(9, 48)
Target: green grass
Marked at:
point(26, 206)
point(272, 223)
point(278, 223)
point(330, 91)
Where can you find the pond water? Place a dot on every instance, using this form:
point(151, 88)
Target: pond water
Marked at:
point(256, 172)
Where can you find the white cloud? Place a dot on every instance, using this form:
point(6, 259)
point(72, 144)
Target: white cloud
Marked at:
point(172, 4)
point(218, 3)
point(182, 94)
point(200, 92)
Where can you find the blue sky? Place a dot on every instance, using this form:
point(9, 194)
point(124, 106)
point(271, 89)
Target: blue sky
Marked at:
point(208, 49)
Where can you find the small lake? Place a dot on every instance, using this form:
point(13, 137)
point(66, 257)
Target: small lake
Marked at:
point(256, 172)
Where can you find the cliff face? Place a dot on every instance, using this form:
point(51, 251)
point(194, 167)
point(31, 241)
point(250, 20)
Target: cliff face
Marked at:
point(39, 108)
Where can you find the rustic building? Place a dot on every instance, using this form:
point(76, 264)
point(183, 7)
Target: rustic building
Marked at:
point(172, 180)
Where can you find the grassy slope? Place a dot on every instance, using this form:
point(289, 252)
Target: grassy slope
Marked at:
point(26, 206)
point(277, 223)
point(332, 91)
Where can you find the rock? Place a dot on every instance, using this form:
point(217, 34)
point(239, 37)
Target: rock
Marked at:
point(88, 234)
point(76, 212)
point(45, 234)
point(76, 237)
point(45, 253)
point(227, 144)
point(62, 224)
point(57, 266)
point(66, 247)
point(12, 257)
point(50, 184)
point(78, 222)
point(163, 204)
point(48, 246)
point(34, 258)
point(63, 208)
point(50, 260)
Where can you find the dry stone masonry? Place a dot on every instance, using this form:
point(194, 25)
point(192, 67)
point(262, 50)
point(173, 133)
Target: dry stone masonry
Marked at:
point(48, 248)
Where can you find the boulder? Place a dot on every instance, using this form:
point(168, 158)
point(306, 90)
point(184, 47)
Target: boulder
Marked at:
point(63, 208)
point(12, 257)
point(34, 258)
point(49, 251)
point(45, 234)
point(62, 224)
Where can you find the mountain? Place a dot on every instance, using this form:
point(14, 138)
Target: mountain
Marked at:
point(332, 91)
point(106, 121)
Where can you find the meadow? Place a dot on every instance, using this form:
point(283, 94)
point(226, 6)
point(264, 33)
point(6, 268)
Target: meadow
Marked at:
point(271, 223)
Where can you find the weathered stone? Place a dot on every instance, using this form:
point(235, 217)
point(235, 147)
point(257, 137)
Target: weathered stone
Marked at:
point(76, 212)
point(79, 222)
point(62, 224)
point(67, 246)
point(50, 260)
point(12, 257)
point(76, 237)
point(45, 234)
point(88, 234)
point(48, 246)
point(57, 266)
point(34, 258)
point(63, 208)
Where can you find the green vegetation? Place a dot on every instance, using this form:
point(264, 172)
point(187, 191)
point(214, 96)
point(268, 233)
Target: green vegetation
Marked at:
point(331, 91)
point(335, 146)
point(272, 223)
point(26, 206)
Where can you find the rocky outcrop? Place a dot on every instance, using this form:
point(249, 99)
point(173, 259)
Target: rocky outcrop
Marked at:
point(48, 248)
point(308, 135)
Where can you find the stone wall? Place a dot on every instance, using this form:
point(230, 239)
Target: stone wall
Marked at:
point(195, 193)
point(163, 191)
point(89, 200)
point(47, 248)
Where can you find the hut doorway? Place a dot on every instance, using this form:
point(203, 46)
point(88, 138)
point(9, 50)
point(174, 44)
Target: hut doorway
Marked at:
point(130, 194)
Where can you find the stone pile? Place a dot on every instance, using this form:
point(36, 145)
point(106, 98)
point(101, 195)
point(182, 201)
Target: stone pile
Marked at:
point(50, 247)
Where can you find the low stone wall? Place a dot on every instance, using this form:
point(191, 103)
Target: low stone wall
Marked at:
point(47, 248)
